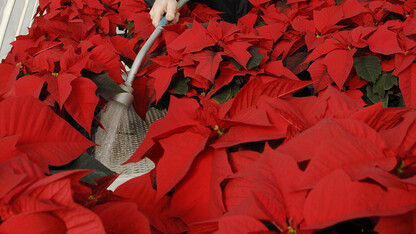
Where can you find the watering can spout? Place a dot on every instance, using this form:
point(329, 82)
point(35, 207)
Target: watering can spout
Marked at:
point(126, 98)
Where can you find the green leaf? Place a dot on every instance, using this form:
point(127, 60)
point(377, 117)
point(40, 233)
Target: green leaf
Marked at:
point(226, 93)
point(181, 86)
point(85, 161)
point(376, 97)
point(255, 59)
point(236, 64)
point(378, 87)
point(296, 64)
point(130, 25)
point(388, 80)
point(385, 100)
point(106, 86)
point(368, 67)
point(259, 24)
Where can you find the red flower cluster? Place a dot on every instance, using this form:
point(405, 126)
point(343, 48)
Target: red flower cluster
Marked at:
point(46, 76)
point(264, 159)
point(246, 146)
point(339, 161)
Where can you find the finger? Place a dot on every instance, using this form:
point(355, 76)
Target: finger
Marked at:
point(171, 10)
point(151, 13)
point(157, 15)
point(176, 20)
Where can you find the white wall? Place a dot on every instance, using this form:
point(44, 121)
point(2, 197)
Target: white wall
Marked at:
point(15, 18)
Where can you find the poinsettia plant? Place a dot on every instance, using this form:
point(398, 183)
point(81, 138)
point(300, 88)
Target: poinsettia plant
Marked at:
point(298, 118)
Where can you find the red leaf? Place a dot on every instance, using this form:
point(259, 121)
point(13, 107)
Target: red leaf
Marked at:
point(205, 227)
point(312, 138)
point(57, 189)
point(9, 149)
point(110, 61)
point(255, 88)
point(311, 108)
point(143, 94)
point(180, 151)
point(238, 51)
point(122, 217)
point(9, 180)
point(357, 35)
point(198, 197)
point(46, 139)
point(338, 104)
point(339, 64)
point(71, 176)
point(204, 13)
point(402, 62)
point(279, 88)
point(303, 24)
point(347, 152)
point(140, 191)
point(240, 224)
point(192, 40)
point(410, 27)
point(282, 116)
point(250, 116)
point(81, 220)
point(26, 204)
point(258, 2)
point(29, 85)
point(247, 96)
point(384, 178)
point(322, 49)
point(402, 137)
point(225, 77)
point(320, 76)
point(380, 118)
point(37, 223)
point(407, 85)
point(60, 86)
point(72, 62)
point(281, 113)
point(276, 68)
point(247, 133)
point(163, 77)
point(323, 209)
point(123, 47)
point(209, 62)
point(296, 63)
point(332, 103)
point(353, 8)
point(242, 159)
point(82, 102)
point(181, 114)
point(384, 41)
point(269, 178)
point(54, 27)
point(326, 18)
point(8, 77)
point(222, 31)
point(272, 31)
point(355, 95)
point(405, 223)
point(21, 167)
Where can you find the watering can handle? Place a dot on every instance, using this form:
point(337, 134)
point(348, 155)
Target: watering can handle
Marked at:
point(146, 47)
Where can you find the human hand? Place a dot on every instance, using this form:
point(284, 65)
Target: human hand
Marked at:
point(161, 7)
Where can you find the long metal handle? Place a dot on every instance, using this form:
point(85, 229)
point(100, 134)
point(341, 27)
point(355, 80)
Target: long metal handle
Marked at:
point(146, 47)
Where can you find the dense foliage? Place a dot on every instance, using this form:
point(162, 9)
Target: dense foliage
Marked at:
point(299, 118)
